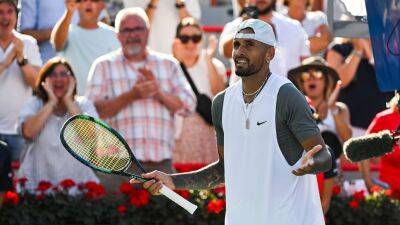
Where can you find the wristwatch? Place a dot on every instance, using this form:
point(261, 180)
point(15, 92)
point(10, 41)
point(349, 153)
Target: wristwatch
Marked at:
point(180, 5)
point(22, 62)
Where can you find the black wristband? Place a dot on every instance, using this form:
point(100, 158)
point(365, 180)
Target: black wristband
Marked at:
point(23, 62)
point(151, 6)
point(179, 5)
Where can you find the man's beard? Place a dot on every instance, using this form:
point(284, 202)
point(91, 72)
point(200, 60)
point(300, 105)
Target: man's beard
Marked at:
point(268, 9)
point(250, 70)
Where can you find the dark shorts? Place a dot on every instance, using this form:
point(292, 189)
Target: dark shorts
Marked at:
point(15, 144)
point(5, 168)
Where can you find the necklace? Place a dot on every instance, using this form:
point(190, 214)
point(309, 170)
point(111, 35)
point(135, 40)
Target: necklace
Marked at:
point(247, 112)
point(258, 90)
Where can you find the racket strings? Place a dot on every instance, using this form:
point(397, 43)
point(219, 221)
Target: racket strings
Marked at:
point(97, 145)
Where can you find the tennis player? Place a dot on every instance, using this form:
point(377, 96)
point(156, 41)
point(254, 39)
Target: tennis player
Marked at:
point(273, 145)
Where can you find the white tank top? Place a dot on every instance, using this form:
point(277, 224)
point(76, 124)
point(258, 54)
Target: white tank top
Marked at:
point(260, 187)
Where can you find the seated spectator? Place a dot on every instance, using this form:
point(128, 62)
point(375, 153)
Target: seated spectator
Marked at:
point(20, 62)
point(80, 44)
point(389, 172)
point(314, 23)
point(164, 15)
point(138, 91)
point(40, 122)
point(292, 41)
point(197, 143)
point(354, 62)
point(320, 83)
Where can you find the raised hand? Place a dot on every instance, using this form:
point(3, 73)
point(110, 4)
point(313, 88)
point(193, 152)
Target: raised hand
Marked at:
point(212, 46)
point(71, 5)
point(334, 95)
point(48, 87)
point(177, 50)
point(69, 96)
point(307, 162)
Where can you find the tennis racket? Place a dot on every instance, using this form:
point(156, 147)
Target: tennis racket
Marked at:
point(97, 145)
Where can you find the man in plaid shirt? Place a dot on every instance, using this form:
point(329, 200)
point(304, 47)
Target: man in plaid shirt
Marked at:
point(138, 91)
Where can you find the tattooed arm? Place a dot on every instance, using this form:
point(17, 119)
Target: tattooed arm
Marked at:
point(206, 178)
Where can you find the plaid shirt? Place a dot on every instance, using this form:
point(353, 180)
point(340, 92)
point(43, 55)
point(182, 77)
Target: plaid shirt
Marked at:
point(146, 124)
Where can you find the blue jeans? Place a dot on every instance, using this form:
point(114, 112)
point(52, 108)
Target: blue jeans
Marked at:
point(15, 144)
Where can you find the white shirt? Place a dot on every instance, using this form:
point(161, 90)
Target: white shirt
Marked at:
point(165, 20)
point(260, 187)
point(45, 157)
point(84, 46)
point(200, 76)
point(14, 91)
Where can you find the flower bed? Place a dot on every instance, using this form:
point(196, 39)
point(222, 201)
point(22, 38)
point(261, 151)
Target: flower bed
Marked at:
point(88, 204)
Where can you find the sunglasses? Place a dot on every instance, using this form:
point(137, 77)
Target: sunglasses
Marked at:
point(312, 74)
point(186, 38)
point(135, 30)
point(60, 75)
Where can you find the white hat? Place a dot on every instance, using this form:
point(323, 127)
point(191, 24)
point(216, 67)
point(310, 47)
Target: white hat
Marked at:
point(263, 32)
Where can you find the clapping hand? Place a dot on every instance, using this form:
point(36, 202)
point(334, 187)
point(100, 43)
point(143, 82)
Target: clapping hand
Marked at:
point(71, 5)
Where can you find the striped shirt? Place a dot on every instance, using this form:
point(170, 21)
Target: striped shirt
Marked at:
point(146, 124)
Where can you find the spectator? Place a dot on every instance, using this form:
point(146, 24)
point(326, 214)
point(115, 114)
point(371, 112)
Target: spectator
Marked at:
point(354, 63)
point(292, 41)
point(389, 172)
point(197, 143)
point(82, 43)
point(40, 122)
point(163, 15)
point(19, 66)
point(138, 91)
point(320, 84)
point(314, 23)
point(37, 18)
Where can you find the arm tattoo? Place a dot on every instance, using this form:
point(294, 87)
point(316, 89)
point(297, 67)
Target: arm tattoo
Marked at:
point(206, 178)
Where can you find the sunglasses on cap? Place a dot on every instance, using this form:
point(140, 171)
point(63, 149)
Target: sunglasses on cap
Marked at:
point(316, 74)
point(186, 38)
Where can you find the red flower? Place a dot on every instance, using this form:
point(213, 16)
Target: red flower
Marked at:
point(359, 195)
point(22, 181)
point(336, 190)
point(40, 197)
point(375, 188)
point(139, 198)
point(220, 191)
point(11, 198)
point(388, 193)
point(354, 204)
point(94, 190)
point(126, 188)
point(44, 186)
point(121, 209)
point(183, 193)
point(216, 206)
point(67, 184)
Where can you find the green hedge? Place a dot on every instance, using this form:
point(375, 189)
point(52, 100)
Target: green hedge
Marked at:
point(90, 205)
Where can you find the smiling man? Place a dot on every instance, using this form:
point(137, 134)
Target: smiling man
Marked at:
point(269, 144)
point(82, 43)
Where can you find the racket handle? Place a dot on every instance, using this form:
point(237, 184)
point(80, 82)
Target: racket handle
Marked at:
point(190, 207)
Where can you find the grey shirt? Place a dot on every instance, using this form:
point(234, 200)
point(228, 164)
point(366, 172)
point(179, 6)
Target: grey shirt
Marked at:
point(294, 121)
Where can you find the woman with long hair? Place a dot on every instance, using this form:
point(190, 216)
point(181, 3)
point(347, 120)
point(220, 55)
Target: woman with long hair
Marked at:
point(197, 143)
point(40, 121)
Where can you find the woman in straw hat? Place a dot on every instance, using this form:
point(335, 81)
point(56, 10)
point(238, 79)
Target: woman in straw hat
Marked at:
point(321, 84)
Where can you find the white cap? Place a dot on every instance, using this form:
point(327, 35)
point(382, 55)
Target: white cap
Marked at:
point(263, 32)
